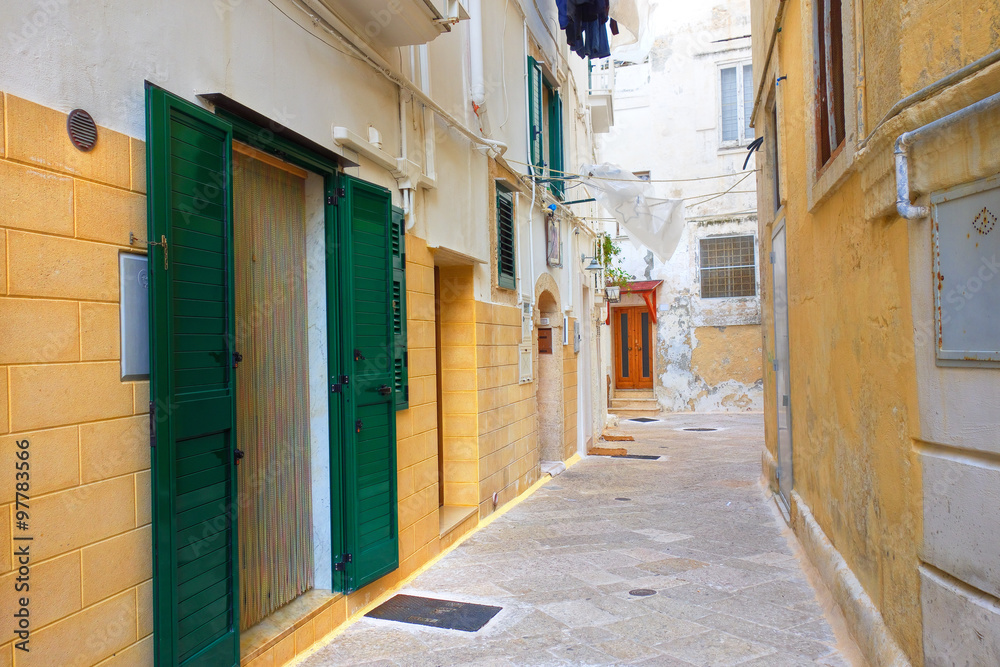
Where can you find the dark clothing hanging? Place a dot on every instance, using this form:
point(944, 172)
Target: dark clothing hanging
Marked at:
point(585, 23)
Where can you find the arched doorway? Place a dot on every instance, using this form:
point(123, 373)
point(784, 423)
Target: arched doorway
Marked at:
point(549, 348)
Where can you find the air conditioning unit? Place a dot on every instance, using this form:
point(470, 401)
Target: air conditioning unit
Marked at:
point(392, 23)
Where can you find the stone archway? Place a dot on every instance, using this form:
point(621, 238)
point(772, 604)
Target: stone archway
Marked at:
point(551, 429)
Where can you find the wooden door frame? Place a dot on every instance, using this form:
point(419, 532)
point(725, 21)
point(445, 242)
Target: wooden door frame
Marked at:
point(635, 356)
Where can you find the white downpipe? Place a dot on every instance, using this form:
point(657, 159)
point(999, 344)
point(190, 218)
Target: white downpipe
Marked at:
point(476, 45)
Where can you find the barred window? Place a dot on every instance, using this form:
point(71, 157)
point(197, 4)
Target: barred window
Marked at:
point(727, 267)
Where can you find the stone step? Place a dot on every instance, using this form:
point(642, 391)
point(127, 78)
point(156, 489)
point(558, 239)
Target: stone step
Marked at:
point(634, 404)
point(630, 413)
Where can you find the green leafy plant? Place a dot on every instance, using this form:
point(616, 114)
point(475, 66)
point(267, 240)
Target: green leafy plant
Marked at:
point(608, 255)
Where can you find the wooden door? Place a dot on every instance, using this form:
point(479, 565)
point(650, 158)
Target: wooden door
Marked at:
point(633, 348)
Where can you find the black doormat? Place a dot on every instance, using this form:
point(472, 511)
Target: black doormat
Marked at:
point(447, 614)
point(643, 419)
point(636, 456)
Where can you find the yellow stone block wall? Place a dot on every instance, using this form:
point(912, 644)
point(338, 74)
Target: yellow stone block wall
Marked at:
point(65, 217)
point(508, 414)
point(458, 386)
point(416, 427)
point(569, 394)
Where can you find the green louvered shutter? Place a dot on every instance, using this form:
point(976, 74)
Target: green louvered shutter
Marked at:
point(191, 384)
point(556, 144)
point(370, 505)
point(535, 84)
point(506, 258)
point(401, 386)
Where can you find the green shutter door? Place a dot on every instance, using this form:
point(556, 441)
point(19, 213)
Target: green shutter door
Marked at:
point(191, 383)
point(400, 357)
point(535, 115)
point(370, 505)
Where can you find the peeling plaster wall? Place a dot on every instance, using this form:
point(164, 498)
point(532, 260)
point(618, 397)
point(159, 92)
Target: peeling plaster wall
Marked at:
point(708, 351)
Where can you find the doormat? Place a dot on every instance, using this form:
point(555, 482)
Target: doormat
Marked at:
point(644, 457)
point(447, 614)
point(700, 430)
point(644, 420)
point(607, 451)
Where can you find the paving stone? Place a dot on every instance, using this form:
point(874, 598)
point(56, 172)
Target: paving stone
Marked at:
point(699, 532)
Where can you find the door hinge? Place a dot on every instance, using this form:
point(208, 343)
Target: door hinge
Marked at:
point(152, 424)
point(335, 197)
point(773, 257)
point(344, 559)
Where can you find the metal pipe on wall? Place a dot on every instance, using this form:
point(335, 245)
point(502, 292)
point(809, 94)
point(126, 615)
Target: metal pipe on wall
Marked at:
point(904, 205)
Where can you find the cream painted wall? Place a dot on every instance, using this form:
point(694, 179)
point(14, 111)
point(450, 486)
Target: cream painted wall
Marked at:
point(668, 114)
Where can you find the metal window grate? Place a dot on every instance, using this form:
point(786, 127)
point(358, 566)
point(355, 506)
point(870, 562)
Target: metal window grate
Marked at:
point(728, 267)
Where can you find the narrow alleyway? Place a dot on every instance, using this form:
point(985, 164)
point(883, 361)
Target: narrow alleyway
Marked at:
point(692, 526)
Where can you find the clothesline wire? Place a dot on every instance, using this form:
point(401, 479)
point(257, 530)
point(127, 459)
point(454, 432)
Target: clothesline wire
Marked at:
point(720, 194)
point(569, 175)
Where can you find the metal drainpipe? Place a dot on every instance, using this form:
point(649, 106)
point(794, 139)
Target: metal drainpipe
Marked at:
point(906, 208)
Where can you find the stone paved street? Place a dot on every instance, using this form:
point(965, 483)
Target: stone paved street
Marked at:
point(693, 526)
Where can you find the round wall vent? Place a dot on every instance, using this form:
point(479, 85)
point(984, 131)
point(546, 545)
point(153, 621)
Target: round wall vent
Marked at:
point(82, 129)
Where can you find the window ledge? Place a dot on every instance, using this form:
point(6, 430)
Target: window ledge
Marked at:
point(453, 516)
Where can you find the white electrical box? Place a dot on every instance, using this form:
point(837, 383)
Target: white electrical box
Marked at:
point(133, 273)
point(966, 229)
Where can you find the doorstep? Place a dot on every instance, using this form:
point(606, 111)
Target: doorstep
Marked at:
point(452, 516)
point(294, 628)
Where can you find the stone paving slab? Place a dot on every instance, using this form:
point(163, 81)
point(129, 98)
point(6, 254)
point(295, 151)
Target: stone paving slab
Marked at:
point(694, 527)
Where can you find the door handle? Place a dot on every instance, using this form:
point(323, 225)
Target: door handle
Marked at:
point(238, 456)
point(384, 390)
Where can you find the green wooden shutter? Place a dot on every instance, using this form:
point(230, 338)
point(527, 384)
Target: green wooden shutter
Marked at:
point(191, 383)
point(401, 385)
point(370, 504)
point(556, 144)
point(535, 84)
point(506, 257)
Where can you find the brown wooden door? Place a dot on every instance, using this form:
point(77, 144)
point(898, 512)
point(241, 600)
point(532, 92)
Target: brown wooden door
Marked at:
point(633, 343)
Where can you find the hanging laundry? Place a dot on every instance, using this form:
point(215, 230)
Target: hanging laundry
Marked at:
point(586, 26)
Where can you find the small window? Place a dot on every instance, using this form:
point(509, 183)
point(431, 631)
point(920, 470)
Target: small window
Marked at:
point(736, 104)
point(829, 60)
point(505, 239)
point(545, 114)
point(728, 267)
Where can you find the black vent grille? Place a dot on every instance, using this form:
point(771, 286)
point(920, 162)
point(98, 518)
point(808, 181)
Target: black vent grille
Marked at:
point(82, 129)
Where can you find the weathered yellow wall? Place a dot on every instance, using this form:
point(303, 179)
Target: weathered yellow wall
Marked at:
point(729, 353)
point(853, 377)
point(65, 216)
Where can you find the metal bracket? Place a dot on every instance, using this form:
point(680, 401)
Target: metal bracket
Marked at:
point(133, 239)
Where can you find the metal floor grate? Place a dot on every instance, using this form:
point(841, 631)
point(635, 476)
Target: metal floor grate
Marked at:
point(644, 457)
point(700, 429)
point(447, 614)
point(644, 420)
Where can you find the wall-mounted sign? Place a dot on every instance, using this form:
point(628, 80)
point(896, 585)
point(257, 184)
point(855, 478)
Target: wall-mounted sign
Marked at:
point(553, 242)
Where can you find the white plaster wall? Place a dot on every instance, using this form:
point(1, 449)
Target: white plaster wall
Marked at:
point(319, 392)
point(667, 114)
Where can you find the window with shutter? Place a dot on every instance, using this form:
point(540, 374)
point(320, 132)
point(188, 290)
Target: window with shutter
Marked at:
point(557, 185)
point(535, 130)
point(400, 362)
point(505, 240)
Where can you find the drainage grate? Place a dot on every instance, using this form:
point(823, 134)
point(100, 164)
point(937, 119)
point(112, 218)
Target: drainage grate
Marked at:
point(82, 129)
point(644, 420)
point(642, 592)
point(623, 499)
point(644, 457)
point(701, 429)
point(447, 614)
